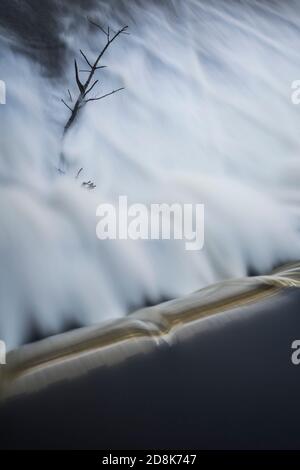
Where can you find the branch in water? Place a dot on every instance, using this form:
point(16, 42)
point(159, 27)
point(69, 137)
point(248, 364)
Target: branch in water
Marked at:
point(63, 101)
point(104, 96)
point(86, 87)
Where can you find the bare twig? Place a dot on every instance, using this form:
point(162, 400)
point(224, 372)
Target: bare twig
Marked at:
point(104, 96)
point(97, 26)
point(88, 185)
point(79, 84)
point(86, 59)
point(97, 68)
point(63, 101)
point(91, 87)
point(78, 173)
point(87, 86)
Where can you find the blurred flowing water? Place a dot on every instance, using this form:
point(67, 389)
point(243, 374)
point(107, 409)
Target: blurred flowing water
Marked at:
point(206, 117)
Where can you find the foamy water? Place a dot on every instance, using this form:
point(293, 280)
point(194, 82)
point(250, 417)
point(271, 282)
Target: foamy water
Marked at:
point(206, 117)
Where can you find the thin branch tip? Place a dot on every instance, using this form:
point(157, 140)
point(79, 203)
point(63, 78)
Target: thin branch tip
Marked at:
point(63, 101)
point(79, 84)
point(104, 96)
point(91, 87)
point(86, 59)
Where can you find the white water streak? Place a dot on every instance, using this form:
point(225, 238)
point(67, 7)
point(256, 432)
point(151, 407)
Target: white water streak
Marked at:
point(206, 118)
